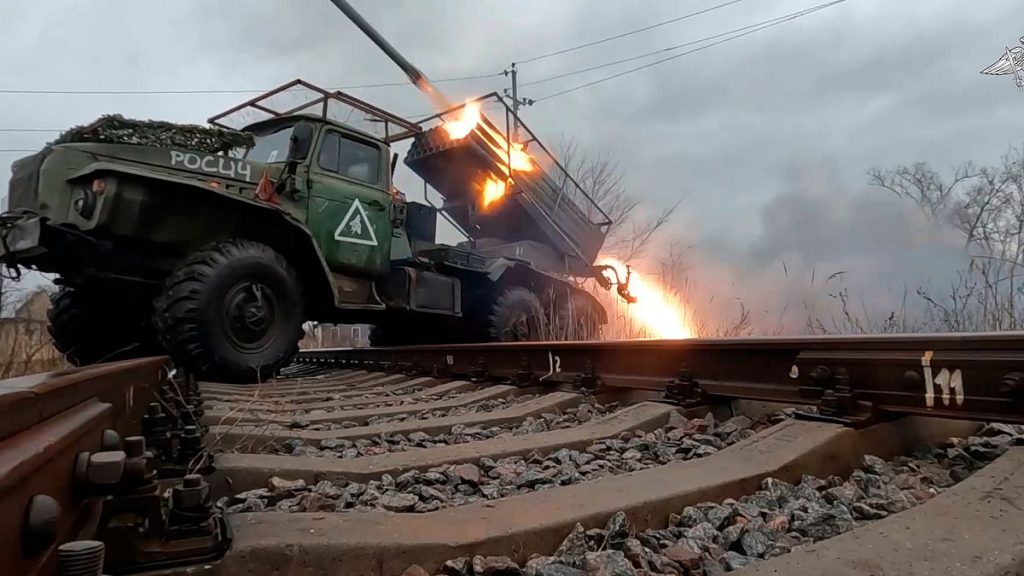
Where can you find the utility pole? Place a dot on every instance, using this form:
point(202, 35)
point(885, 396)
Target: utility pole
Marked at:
point(516, 101)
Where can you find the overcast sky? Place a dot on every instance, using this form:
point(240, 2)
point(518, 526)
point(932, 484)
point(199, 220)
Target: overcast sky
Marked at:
point(738, 131)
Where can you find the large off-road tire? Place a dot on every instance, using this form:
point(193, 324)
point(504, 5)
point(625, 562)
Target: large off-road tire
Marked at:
point(517, 317)
point(93, 324)
point(232, 312)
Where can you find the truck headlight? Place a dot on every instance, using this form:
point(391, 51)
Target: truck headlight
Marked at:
point(85, 203)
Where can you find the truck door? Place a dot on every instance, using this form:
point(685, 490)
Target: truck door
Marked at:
point(350, 204)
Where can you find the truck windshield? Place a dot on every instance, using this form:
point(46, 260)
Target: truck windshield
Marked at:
point(270, 146)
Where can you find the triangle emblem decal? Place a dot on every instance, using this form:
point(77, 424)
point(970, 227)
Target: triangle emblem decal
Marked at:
point(355, 227)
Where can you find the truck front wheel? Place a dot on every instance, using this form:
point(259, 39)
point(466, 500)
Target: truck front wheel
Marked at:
point(232, 312)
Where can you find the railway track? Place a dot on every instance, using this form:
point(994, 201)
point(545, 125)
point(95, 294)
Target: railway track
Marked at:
point(870, 455)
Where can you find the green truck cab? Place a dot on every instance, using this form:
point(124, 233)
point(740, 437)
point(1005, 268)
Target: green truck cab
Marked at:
point(216, 245)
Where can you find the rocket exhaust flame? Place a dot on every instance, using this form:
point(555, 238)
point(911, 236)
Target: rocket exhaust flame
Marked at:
point(460, 127)
point(514, 158)
point(492, 192)
point(652, 305)
point(513, 153)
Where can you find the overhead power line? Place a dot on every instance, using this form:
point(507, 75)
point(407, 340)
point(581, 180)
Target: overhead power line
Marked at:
point(218, 91)
point(748, 31)
point(631, 32)
point(777, 19)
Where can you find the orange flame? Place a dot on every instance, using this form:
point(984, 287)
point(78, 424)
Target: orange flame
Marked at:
point(513, 155)
point(493, 190)
point(464, 124)
point(655, 308)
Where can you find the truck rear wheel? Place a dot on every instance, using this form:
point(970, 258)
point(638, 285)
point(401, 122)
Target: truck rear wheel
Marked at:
point(578, 319)
point(92, 324)
point(232, 311)
point(517, 317)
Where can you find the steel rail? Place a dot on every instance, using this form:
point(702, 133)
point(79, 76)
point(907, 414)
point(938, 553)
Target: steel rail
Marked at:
point(851, 379)
point(46, 421)
point(86, 455)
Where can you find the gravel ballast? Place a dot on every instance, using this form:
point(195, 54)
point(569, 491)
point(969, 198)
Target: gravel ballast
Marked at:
point(712, 538)
point(487, 479)
point(458, 434)
point(481, 407)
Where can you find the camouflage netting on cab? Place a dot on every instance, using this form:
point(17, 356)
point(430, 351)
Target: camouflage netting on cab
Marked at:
point(116, 129)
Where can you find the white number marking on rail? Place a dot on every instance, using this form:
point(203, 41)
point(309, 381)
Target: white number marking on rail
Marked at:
point(554, 365)
point(449, 359)
point(947, 381)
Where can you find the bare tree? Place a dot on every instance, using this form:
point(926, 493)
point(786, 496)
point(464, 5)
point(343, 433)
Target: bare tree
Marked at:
point(25, 344)
point(987, 206)
point(11, 293)
point(924, 186)
point(630, 234)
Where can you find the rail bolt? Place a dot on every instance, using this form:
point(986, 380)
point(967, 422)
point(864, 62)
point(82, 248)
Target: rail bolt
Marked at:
point(1012, 384)
point(39, 531)
point(110, 440)
point(106, 468)
point(154, 421)
point(911, 379)
point(80, 558)
point(191, 493)
point(135, 446)
point(842, 379)
point(479, 372)
point(524, 376)
point(82, 469)
point(820, 376)
point(587, 379)
point(684, 387)
point(139, 467)
point(829, 403)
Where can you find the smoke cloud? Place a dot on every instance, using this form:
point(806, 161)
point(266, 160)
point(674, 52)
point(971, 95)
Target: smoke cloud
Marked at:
point(812, 243)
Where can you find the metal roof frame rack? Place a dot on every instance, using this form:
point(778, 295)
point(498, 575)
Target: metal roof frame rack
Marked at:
point(318, 102)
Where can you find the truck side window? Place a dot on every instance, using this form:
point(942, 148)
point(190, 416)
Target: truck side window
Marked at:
point(350, 158)
point(328, 159)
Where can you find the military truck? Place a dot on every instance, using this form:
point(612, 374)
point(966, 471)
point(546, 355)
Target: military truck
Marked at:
point(217, 243)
